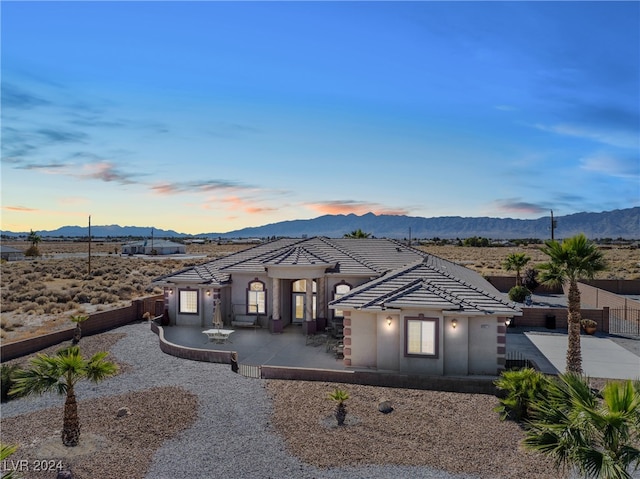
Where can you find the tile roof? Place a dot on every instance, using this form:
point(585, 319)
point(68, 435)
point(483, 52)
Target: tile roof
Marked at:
point(405, 276)
point(423, 284)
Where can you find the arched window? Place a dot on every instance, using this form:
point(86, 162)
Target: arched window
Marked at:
point(256, 298)
point(338, 292)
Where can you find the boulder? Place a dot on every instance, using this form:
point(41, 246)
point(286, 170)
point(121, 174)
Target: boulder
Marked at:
point(385, 407)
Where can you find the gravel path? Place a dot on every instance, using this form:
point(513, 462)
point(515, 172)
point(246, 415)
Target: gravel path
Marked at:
point(237, 433)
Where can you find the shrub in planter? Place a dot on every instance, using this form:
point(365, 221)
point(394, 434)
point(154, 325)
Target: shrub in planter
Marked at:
point(518, 294)
point(519, 389)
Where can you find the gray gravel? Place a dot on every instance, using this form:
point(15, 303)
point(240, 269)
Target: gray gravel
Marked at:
point(232, 437)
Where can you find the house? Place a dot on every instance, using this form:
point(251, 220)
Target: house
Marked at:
point(399, 308)
point(158, 246)
point(8, 253)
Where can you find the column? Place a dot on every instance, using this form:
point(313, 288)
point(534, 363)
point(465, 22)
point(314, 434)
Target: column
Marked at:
point(322, 312)
point(309, 321)
point(275, 323)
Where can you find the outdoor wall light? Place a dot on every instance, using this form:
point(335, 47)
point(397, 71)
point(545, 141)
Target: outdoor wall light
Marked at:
point(208, 292)
point(507, 322)
point(454, 323)
point(170, 290)
point(389, 318)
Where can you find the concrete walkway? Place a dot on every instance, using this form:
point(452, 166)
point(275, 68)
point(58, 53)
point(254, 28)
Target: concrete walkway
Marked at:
point(602, 356)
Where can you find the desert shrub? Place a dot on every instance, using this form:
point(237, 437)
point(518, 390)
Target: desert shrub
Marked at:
point(519, 388)
point(52, 308)
point(32, 251)
point(518, 294)
point(81, 297)
point(72, 305)
point(29, 306)
point(7, 306)
point(42, 300)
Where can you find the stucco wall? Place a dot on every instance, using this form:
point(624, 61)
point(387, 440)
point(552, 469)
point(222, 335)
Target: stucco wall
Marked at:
point(455, 348)
point(364, 346)
point(388, 341)
point(483, 345)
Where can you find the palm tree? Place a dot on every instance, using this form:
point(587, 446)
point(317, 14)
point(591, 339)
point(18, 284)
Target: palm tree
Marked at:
point(34, 238)
point(61, 373)
point(572, 259)
point(340, 396)
point(357, 234)
point(516, 262)
point(575, 428)
point(77, 333)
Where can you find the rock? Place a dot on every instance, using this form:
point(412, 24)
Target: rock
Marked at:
point(385, 407)
point(124, 411)
point(64, 474)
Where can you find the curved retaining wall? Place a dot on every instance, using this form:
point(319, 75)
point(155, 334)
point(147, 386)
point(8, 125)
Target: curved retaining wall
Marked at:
point(195, 354)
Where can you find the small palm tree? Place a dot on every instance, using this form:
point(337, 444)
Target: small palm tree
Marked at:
point(357, 234)
point(574, 258)
point(77, 333)
point(516, 262)
point(340, 396)
point(576, 429)
point(60, 373)
point(5, 452)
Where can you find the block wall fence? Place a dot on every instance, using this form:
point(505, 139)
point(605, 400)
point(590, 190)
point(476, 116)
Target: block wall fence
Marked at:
point(97, 323)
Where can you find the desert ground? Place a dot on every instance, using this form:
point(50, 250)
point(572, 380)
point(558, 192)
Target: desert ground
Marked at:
point(39, 295)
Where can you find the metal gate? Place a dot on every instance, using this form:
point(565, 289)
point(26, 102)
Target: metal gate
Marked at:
point(624, 321)
point(250, 371)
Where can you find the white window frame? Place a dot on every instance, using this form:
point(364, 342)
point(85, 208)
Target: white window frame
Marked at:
point(188, 301)
point(256, 299)
point(421, 337)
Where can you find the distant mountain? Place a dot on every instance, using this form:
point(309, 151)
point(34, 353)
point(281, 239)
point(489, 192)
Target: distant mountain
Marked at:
point(614, 224)
point(113, 231)
point(610, 224)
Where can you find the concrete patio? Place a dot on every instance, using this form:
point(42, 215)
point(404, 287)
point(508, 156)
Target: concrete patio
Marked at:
point(258, 347)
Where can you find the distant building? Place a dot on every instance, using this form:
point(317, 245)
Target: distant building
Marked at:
point(8, 253)
point(159, 247)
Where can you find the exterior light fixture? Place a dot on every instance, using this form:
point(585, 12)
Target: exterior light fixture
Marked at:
point(208, 292)
point(507, 322)
point(170, 290)
point(454, 323)
point(389, 318)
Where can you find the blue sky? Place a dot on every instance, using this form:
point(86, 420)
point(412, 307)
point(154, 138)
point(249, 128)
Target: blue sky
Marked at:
point(214, 116)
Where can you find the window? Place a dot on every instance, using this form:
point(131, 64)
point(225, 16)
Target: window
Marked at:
point(340, 290)
point(256, 298)
point(188, 300)
point(422, 337)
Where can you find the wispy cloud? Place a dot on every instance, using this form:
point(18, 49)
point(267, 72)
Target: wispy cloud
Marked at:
point(20, 209)
point(105, 171)
point(612, 165)
point(61, 136)
point(231, 130)
point(206, 186)
point(338, 207)
point(248, 206)
point(515, 205)
point(14, 97)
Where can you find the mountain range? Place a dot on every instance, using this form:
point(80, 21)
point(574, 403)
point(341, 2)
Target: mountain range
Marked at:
point(624, 223)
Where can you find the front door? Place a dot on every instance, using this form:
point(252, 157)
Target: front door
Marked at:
point(299, 301)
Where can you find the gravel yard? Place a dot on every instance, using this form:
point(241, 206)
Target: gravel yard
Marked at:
point(200, 420)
